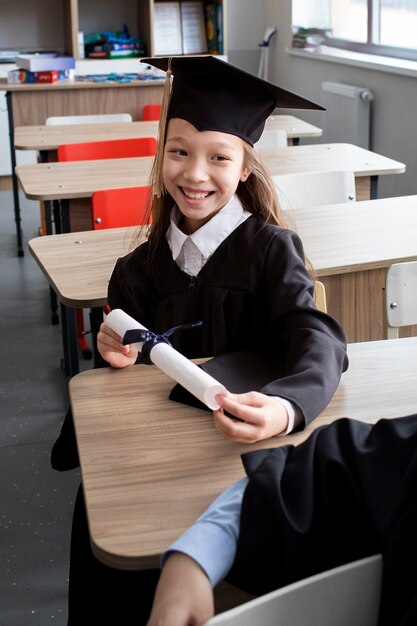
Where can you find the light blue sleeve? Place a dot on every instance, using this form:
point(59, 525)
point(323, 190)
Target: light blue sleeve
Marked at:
point(212, 540)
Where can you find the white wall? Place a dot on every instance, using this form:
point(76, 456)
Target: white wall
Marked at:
point(394, 120)
point(245, 26)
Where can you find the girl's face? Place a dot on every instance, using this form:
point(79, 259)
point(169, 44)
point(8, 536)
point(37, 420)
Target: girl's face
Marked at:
point(201, 171)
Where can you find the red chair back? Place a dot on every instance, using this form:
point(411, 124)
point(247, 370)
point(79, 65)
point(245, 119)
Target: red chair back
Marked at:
point(114, 149)
point(114, 208)
point(151, 112)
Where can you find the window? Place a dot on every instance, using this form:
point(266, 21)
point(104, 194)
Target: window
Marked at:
point(387, 27)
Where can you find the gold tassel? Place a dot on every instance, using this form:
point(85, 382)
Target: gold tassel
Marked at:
point(157, 182)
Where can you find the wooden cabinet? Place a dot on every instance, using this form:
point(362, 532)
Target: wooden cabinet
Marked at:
point(54, 24)
point(99, 15)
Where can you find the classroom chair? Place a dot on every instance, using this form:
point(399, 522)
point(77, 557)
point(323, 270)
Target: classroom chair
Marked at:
point(151, 112)
point(105, 118)
point(118, 148)
point(114, 149)
point(115, 208)
point(306, 189)
point(320, 296)
point(400, 297)
point(272, 138)
point(65, 120)
point(344, 596)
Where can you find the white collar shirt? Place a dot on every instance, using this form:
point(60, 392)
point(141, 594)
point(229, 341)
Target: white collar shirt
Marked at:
point(191, 252)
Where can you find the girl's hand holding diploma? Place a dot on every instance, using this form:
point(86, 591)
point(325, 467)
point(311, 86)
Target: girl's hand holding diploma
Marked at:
point(258, 416)
point(111, 348)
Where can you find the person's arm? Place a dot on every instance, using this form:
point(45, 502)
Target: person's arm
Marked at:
point(259, 416)
point(308, 346)
point(197, 561)
point(112, 350)
point(184, 596)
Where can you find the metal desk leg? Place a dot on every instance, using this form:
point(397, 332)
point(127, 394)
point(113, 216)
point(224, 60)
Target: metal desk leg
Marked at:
point(47, 203)
point(374, 187)
point(17, 217)
point(62, 223)
point(48, 231)
point(48, 217)
point(96, 318)
point(61, 216)
point(54, 307)
point(69, 341)
point(53, 298)
point(64, 216)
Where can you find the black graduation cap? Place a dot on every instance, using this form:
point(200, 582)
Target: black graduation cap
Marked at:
point(212, 94)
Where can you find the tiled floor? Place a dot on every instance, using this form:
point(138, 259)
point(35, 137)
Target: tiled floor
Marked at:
point(35, 501)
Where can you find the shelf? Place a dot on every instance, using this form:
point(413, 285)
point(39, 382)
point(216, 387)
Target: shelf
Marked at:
point(54, 26)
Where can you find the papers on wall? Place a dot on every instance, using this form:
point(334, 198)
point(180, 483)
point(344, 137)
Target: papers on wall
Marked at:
point(167, 28)
point(179, 28)
point(194, 38)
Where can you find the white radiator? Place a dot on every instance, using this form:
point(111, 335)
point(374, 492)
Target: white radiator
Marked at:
point(347, 118)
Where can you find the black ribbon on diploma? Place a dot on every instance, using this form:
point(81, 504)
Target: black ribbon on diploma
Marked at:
point(150, 339)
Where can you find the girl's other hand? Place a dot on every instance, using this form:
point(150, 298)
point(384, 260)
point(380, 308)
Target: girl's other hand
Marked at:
point(111, 348)
point(257, 416)
point(184, 596)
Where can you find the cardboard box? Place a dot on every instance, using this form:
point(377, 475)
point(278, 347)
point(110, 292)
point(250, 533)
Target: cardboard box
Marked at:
point(24, 76)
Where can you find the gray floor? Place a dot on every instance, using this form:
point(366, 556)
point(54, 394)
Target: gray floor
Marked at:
point(36, 502)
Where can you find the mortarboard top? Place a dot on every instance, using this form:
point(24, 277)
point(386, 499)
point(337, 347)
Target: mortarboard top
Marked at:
point(212, 94)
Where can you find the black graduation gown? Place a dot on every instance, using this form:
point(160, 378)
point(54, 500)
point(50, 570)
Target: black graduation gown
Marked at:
point(255, 298)
point(254, 295)
point(348, 492)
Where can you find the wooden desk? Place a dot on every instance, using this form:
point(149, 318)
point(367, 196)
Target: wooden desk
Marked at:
point(365, 164)
point(63, 181)
point(30, 104)
point(33, 103)
point(350, 245)
point(79, 179)
point(151, 466)
point(50, 137)
point(46, 139)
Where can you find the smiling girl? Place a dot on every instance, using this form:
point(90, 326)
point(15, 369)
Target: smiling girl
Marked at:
point(217, 251)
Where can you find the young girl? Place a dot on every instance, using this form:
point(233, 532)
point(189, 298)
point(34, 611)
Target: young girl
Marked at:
point(217, 252)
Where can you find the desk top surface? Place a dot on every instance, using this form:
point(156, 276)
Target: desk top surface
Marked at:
point(50, 137)
point(339, 238)
point(79, 179)
point(150, 466)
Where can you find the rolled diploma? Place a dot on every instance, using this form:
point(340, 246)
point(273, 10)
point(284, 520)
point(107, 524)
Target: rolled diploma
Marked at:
point(173, 363)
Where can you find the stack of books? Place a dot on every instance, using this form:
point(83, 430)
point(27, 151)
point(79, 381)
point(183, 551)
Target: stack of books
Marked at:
point(309, 38)
point(8, 56)
point(214, 26)
point(42, 68)
point(113, 45)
